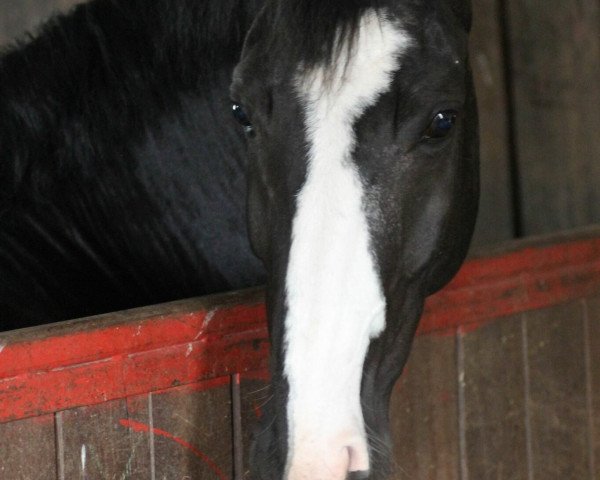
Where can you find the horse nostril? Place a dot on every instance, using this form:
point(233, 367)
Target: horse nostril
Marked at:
point(358, 461)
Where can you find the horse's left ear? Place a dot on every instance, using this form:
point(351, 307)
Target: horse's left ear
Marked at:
point(463, 10)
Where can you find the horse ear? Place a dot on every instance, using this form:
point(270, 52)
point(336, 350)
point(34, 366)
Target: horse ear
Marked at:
point(463, 10)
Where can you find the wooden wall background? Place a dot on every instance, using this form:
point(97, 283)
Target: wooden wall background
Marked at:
point(537, 70)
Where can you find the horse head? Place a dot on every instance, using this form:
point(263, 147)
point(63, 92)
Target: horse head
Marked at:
point(363, 188)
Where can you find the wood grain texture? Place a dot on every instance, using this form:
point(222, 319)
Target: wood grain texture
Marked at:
point(557, 394)
point(592, 311)
point(495, 220)
point(141, 441)
point(255, 394)
point(192, 432)
point(424, 414)
point(28, 449)
point(494, 399)
point(555, 47)
point(94, 445)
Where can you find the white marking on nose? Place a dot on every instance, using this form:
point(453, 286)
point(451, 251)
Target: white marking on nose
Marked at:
point(334, 295)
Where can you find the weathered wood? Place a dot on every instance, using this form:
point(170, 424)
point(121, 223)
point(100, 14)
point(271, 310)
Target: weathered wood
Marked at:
point(592, 337)
point(115, 356)
point(28, 449)
point(494, 401)
point(555, 47)
point(424, 414)
point(495, 220)
point(556, 394)
point(255, 394)
point(192, 432)
point(141, 454)
point(93, 442)
point(20, 16)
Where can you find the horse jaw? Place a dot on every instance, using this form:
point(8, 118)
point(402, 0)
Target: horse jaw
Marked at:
point(335, 302)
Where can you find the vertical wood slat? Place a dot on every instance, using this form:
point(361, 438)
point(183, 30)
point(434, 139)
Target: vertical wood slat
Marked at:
point(593, 362)
point(255, 393)
point(94, 443)
point(495, 418)
point(495, 220)
point(185, 431)
point(557, 403)
point(28, 449)
point(237, 424)
point(555, 47)
point(141, 461)
point(424, 415)
point(197, 438)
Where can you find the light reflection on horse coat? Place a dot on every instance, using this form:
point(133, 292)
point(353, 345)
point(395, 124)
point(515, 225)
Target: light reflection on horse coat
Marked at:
point(127, 178)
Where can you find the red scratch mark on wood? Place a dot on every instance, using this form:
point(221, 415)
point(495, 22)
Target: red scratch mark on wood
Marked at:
point(142, 427)
point(257, 410)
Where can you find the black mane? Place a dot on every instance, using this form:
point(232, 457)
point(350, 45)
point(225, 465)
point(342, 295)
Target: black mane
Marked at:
point(136, 65)
point(111, 117)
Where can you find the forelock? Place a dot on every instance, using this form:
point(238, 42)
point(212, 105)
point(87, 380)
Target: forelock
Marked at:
point(316, 32)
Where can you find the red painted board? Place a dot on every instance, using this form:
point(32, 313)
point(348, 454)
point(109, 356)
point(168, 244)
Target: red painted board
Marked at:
point(230, 317)
point(103, 358)
point(527, 279)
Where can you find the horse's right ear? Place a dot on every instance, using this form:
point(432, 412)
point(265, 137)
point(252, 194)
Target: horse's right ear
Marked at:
point(259, 30)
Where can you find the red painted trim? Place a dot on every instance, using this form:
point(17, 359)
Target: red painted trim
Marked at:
point(529, 279)
point(109, 363)
point(96, 360)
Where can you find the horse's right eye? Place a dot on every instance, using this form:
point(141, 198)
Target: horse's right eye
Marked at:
point(441, 125)
point(242, 118)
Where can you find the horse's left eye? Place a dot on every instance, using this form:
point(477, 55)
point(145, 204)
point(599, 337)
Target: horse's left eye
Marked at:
point(441, 125)
point(242, 118)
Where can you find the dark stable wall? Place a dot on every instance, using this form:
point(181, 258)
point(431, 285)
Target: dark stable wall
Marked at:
point(537, 69)
point(537, 73)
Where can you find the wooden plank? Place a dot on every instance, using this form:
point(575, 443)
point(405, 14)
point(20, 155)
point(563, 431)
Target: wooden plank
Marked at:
point(115, 356)
point(556, 396)
point(192, 431)
point(94, 443)
point(129, 353)
point(424, 414)
point(592, 335)
point(532, 278)
point(140, 462)
point(255, 394)
point(28, 449)
point(494, 401)
point(555, 49)
point(20, 16)
point(495, 222)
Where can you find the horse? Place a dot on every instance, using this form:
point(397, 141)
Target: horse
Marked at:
point(353, 178)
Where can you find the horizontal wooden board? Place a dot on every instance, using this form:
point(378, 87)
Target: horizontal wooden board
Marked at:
point(115, 356)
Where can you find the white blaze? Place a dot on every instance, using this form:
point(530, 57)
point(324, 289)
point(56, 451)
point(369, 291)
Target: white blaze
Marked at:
point(334, 294)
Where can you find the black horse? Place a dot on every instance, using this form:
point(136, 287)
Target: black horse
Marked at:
point(125, 182)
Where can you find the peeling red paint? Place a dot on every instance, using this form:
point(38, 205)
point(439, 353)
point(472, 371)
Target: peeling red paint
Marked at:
point(142, 427)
